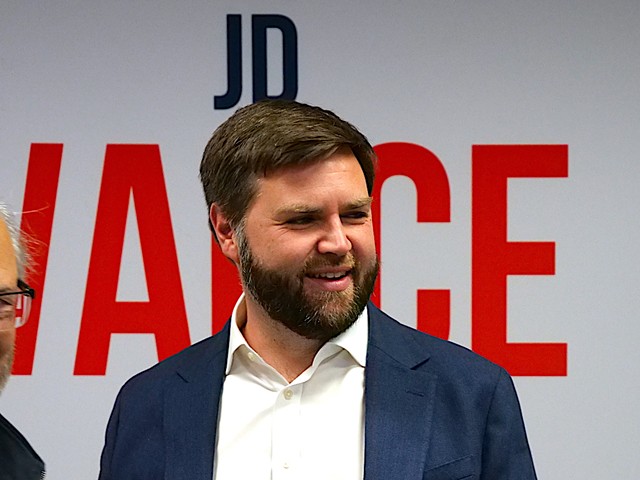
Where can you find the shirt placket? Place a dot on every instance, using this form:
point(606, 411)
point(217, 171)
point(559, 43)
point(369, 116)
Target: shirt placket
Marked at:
point(286, 439)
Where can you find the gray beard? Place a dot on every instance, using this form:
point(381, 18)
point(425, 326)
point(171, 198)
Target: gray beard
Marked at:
point(5, 368)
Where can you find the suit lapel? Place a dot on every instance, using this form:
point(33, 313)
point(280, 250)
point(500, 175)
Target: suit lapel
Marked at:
point(191, 411)
point(398, 402)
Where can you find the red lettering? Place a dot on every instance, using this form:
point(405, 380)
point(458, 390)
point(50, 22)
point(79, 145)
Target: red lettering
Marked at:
point(494, 258)
point(433, 205)
point(38, 207)
point(135, 169)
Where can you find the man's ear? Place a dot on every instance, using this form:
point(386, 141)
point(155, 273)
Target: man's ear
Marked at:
point(224, 231)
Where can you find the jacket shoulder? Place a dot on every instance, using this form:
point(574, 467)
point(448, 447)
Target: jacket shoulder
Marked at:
point(443, 357)
point(19, 459)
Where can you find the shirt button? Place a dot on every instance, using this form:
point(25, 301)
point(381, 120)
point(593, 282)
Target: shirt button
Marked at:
point(251, 356)
point(288, 394)
point(285, 465)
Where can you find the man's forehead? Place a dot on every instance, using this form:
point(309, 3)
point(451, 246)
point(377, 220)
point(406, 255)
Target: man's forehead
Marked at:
point(6, 248)
point(336, 181)
point(8, 262)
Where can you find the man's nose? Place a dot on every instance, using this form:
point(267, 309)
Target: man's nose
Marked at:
point(334, 239)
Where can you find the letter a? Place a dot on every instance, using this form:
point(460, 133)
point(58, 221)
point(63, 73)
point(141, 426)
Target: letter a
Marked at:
point(137, 170)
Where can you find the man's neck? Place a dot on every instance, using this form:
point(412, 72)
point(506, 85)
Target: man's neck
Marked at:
point(286, 351)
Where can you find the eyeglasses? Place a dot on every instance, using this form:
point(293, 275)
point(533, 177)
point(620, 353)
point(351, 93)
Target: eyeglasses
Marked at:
point(15, 306)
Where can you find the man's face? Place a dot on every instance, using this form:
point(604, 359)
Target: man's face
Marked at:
point(8, 282)
point(307, 251)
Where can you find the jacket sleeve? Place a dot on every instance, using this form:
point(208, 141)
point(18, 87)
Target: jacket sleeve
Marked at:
point(505, 452)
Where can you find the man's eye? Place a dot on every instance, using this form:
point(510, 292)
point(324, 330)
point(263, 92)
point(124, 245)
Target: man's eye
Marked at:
point(6, 308)
point(356, 215)
point(300, 221)
point(7, 301)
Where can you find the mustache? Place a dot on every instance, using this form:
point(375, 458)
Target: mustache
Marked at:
point(313, 263)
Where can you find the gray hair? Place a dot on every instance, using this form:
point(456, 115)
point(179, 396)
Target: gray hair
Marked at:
point(16, 241)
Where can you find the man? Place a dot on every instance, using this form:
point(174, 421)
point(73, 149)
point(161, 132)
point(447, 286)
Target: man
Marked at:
point(308, 380)
point(18, 461)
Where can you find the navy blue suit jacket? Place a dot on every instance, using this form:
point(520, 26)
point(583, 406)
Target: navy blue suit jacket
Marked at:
point(433, 411)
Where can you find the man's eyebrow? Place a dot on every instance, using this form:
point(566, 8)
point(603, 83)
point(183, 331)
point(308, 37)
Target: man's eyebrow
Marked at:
point(297, 209)
point(304, 209)
point(359, 203)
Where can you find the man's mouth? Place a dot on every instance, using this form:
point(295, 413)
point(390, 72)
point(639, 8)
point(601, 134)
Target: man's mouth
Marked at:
point(331, 279)
point(330, 275)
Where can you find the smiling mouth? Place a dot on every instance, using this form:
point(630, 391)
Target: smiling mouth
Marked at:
point(331, 275)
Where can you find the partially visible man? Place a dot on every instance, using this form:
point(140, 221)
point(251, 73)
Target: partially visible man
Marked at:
point(308, 380)
point(18, 460)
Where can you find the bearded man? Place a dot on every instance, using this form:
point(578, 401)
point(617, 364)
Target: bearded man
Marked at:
point(18, 460)
point(308, 380)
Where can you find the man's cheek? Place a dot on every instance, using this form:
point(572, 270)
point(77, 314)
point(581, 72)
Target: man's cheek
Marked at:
point(5, 343)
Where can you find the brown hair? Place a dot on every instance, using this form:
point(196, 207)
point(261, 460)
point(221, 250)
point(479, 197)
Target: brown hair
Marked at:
point(269, 135)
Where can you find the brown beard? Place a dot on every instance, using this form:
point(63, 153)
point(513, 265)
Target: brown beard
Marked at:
point(320, 316)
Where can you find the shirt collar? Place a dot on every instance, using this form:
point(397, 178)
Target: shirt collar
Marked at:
point(236, 339)
point(354, 340)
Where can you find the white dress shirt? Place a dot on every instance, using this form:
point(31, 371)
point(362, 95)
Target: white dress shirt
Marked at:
point(311, 428)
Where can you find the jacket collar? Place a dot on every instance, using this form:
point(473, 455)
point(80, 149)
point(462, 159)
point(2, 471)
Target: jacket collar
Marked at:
point(191, 410)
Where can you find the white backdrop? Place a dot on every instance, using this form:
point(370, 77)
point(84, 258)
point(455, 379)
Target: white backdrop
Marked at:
point(445, 75)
